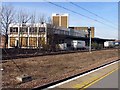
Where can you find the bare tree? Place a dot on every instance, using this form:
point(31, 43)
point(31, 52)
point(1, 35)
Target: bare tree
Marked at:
point(23, 18)
point(42, 18)
point(52, 41)
point(0, 21)
point(7, 17)
point(49, 20)
point(33, 18)
point(33, 25)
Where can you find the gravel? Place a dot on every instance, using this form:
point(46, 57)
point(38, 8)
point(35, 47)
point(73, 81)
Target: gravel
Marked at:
point(46, 69)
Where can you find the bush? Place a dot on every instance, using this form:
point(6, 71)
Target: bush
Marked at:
point(96, 46)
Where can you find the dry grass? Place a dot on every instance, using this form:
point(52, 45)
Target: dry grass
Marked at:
point(45, 69)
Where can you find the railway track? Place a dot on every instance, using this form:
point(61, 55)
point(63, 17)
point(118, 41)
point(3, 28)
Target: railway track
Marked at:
point(8, 56)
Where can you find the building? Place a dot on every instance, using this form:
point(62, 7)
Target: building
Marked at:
point(60, 20)
point(47, 36)
point(39, 35)
point(27, 35)
point(92, 32)
point(86, 29)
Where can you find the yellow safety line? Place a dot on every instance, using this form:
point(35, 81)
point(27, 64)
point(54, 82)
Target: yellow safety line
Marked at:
point(100, 78)
point(86, 84)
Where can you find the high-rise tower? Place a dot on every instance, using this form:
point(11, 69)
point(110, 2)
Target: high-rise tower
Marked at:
point(60, 20)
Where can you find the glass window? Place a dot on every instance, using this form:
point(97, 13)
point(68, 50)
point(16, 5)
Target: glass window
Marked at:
point(24, 29)
point(33, 29)
point(41, 29)
point(13, 29)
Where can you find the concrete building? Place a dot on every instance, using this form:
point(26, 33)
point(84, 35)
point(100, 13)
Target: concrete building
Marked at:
point(60, 20)
point(86, 30)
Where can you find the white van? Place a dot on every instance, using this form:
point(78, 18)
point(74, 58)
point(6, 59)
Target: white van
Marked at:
point(78, 44)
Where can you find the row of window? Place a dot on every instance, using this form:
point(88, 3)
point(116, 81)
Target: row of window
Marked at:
point(25, 30)
point(57, 31)
point(33, 30)
point(24, 41)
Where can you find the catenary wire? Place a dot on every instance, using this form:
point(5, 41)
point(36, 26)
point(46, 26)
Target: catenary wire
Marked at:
point(80, 14)
point(90, 12)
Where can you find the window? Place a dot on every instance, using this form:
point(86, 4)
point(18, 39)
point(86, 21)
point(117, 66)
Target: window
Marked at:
point(79, 43)
point(13, 29)
point(24, 29)
point(33, 29)
point(41, 29)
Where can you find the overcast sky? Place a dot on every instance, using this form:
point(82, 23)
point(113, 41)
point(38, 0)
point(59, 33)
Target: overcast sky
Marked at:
point(107, 10)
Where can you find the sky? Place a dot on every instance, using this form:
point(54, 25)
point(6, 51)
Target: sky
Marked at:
point(107, 10)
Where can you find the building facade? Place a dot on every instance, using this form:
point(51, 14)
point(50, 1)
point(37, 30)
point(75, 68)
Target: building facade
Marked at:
point(27, 35)
point(92, 32)
point(60, 20)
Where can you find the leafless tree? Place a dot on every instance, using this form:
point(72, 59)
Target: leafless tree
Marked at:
point(41, 18)
point(49, 20)
point(7, 17)
point(51, 36)
point(33, 18)
point(0, 22)
point(23, 18)
point(33, 25)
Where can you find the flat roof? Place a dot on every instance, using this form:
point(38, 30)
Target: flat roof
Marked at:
point(62, 14)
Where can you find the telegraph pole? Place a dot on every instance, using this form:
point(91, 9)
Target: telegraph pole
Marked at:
point(90, 42)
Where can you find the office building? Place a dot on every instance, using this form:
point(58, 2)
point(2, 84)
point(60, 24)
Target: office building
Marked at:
point(60, 20)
